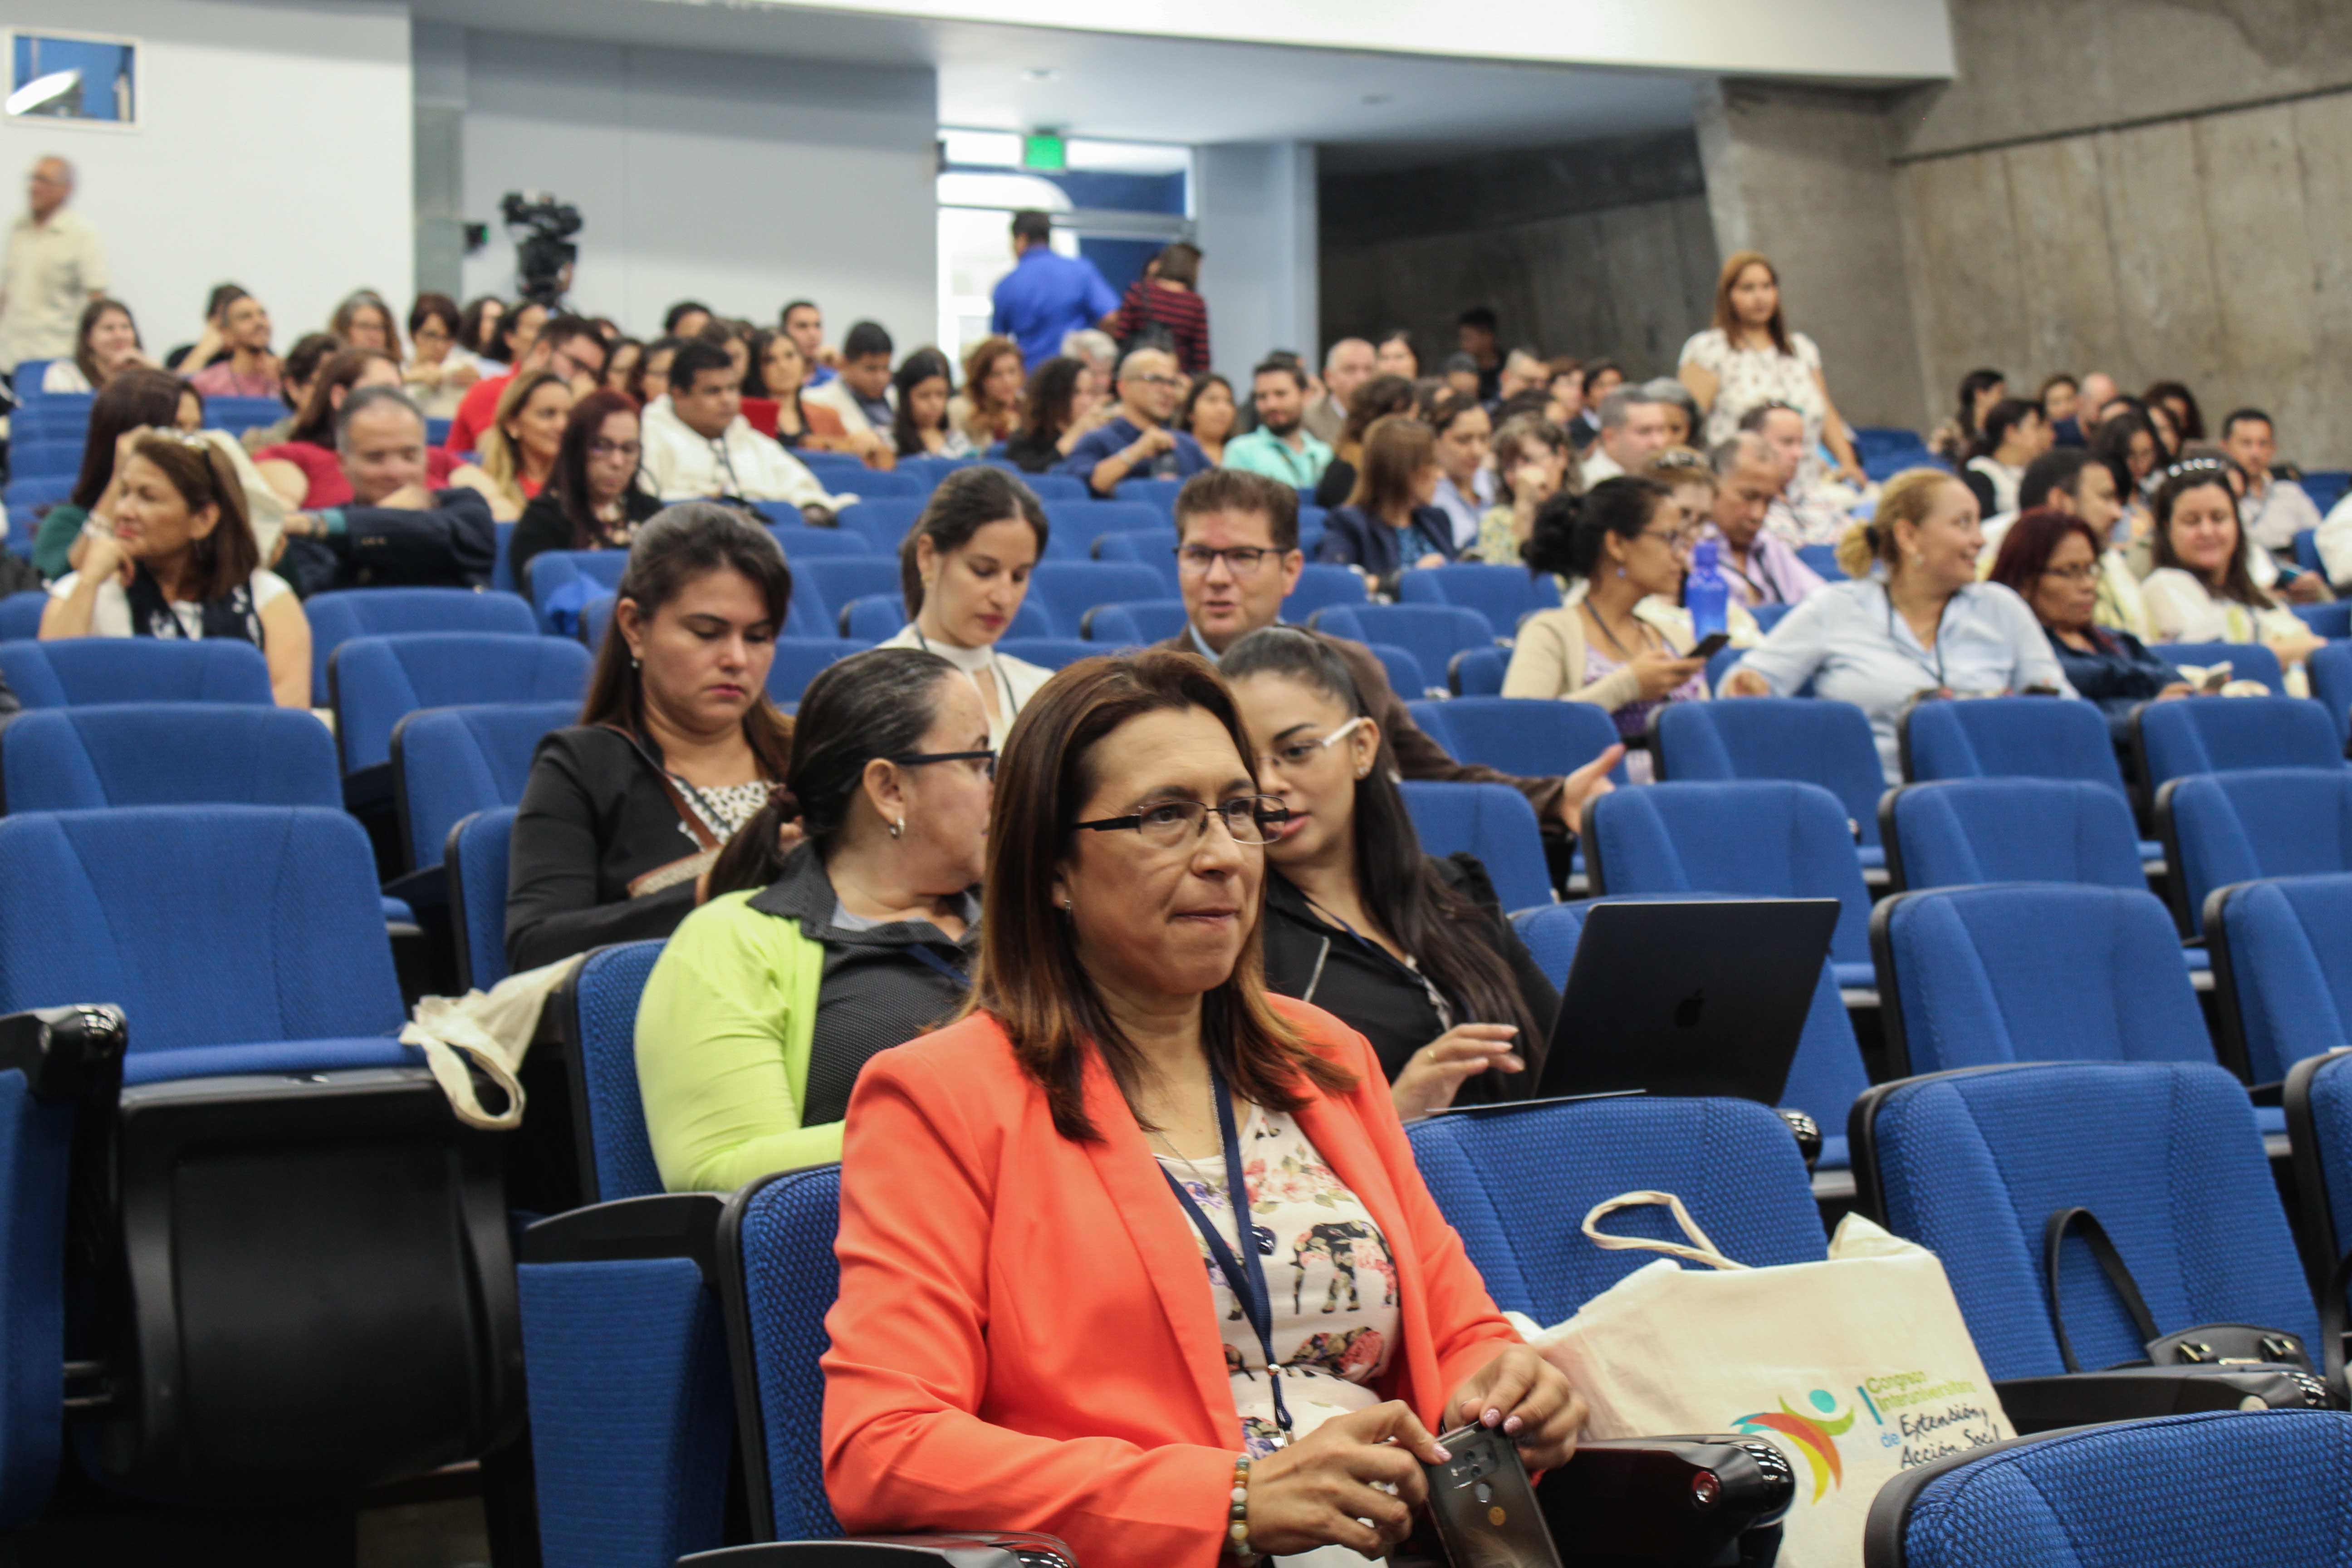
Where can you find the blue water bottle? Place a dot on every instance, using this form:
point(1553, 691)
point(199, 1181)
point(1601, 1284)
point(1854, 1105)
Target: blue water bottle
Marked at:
point(1705, 594)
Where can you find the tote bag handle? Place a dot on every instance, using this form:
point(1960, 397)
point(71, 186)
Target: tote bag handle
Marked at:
point(1703, 1250)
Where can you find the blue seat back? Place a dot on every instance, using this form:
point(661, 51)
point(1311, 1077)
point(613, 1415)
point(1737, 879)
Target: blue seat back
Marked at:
point(2032, 973)
point(783, 1228)
point(2333, 619)
point(1045, 487)
point(212, 925)
point(563, 581)
point(1493, 822)
point(1405, 674)
point(804, 543)
point(1527, 738)
point(1503, 594)
point(1067, 589)
point(602, 1000)
point(81, 671)
point(1153, 547)
point(927, 471)
point(841, 471)
point(2009, 737)
point(2167, 1155)
point(1823, 559)
point(1157, 494)
point(1805, 740)
point(1136, 623)
point(882, 520)
point(1824, 1079)
point(1321, 586)
point(476, 855)
point(1072, 527)
point(1477, 672)
point(2285, 973)
point(1963, 832)
point(338, 617)
point(166, 753)
point(1433, 634)
point(449, 763)
point(2320, 1121)
point(1516, 1182)
point(36, 1167)
point(375, 681)
point(2247, 661)
point(20, 615)
point(1051, 653)
point(596, 619)
point(2225, 827)
point(1762, 838)
point(800, 659)
point(2330, 670)
point(2198, 736)
point(832, 583)
point(869, 620)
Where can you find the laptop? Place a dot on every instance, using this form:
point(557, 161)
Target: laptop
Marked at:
point(1687, 998)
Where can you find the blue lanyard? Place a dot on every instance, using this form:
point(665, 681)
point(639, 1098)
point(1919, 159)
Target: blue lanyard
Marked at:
point(922, 954)
point(1244, 1274)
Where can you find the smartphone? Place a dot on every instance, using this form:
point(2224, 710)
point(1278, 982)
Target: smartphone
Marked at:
point(1484, 1506)
point(1709, 646)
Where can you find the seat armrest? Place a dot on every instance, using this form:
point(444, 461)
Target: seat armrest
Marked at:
point(666, 1225)
point(1674, 1500)
point(65, 1053)
point(979, 1549)
point(2136, 1393)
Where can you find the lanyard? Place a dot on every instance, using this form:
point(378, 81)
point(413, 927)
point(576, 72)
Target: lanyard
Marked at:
point(1244, 1274)
point(1437, 1001)
point(925, 956)
point(1937, 668)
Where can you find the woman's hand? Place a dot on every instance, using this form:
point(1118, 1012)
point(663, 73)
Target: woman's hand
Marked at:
point(104, 557)
point(1430, 560)
point(1745, 683)
point(2296, 647)
point(1660, 672)
point(458, 374)
point(1585, 785)
point(1437, 1072)
point(1529, 1399)
point(1319, 1490)
point(2305, 589)
point(2177, 688)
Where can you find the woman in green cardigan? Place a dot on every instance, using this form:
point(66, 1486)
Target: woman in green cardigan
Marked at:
point(806, 962)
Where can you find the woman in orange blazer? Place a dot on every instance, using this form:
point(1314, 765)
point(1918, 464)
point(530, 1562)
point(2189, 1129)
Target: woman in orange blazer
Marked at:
point(1035, 1331)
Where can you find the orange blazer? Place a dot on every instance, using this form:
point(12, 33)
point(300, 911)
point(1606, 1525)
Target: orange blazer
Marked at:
point(1024, 1338)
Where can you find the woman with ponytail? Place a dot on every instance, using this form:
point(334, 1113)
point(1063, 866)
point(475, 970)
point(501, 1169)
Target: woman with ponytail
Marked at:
point(809, 959)
point(1911, 622)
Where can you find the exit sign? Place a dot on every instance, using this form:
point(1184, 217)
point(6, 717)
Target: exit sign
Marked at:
point(1045, 151)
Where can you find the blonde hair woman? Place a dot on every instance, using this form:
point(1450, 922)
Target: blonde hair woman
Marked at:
point(518, 449)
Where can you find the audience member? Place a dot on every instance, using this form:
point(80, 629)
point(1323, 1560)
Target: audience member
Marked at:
point(1395, 354)
point(805, 322)
point(1748, 356)
point(2050, 559)
point(1207, 415)
point(1166, 300)
point(105, 341)
point(699, 446)
point(306, 469)
point(140, 399)
point(593, 499)
point(963, 571)
point(2175, 398)
point(1797, 513)
point(2069, 481)
point(1460, 378)
point(439, 372)
point(249, 369)
point(1118, 989)
point(298, 376)
point(1912, 622)
point(2059, 395)
point(1047, 295)
point(1099, 353)
point(364, 322)
point(1136, 442)
point(1564, 392)
point(1524, 371)
point(1412, 952)
point(2127, 443)
point(568, 345)
point(805, 963)
point(477, 328)
point(988, 409)
point(1681, 411)
point(2169, 441)
point(1282, 447)
point(2013, 434)
point(1058, 411)
point(920, 426)
point(53, 268)
point(781, 368)
point(687, 319)
point(2091, 396)
point(1619, 642)
point(1237, 559)
point(1597, 381)
point(1690, 484)
point(1390, 521)
point(1375, 400)
point(2202, 589)
point(735, 339)
point(394, 532)
point(1532, 462)
point(860, 394)
point(518, 449)
point(623, 357)
point(1465, 485)
point(1634, 427)
point(1758, 565)
point(653, 375)
point(517, 330)
point(2275, 510)
point(211, 342)
point(1346, 366)
point(1955, 439)
point(1477, 333)
point(180, 560)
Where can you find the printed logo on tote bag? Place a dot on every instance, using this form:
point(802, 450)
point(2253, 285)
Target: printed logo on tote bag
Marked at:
point(1924, 1436)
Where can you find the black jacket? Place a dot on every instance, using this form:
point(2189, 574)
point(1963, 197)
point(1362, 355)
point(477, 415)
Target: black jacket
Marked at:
point(1371, 992)
point(454, 544)
point(1354, 537)
point(544, 526)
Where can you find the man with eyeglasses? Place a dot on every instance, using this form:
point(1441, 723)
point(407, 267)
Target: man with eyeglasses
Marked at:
point(1237, 558)
point(1137, 443)
point(1796, 514)
point(569, 346)
point(398, 532)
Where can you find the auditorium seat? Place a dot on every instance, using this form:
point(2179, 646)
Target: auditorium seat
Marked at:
point(20, 615)
point(1806, 740)
point(1763, 838)
point(803, 543)
point(41, 459)
point(166, 753)
point(927, 471)
point(2283, 971)
point(85, 671)
point(2330, 670)
point(1959, 833)
point(2013, 737)
point(2332, 620)
point(1138, 623)
point(1406, 677)
point(561, 582)
point(2222, 827)
point(449, 763)
point(373, 682)
point(1157, 494)
point(1823, 559)
point(800, 659)
point(1044, 487)
point(1506, 595)
point(1518, 735)
point(1073, 526)
point(1153, 547)
point(476, 855)
point(1493, 822)
point(827, 586)
point(882, 520)
point(1433, 634)
point(2247, 661)
point(338, 617)
point(1477, 672)
point(1322, 586)
point(2318, 1099)
point(1066, 589)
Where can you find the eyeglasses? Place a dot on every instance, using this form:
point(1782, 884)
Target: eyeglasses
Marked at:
point(574, 364)
point(1160, 380)
point(1298, 754)
point(988, 759)
point(632, 451)
point(1249, 819)
point(1240, 560)
point(1679, 540)
point(2073, 573)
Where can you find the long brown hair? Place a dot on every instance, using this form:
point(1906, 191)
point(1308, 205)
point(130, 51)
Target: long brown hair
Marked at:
point(1029, 977)
point(2237, 577)
point(226, 559)
point(1395, 450)
point(316, 422)
point(985, 425)
point(1375, 400)
point(91, 314)
point(1726, 319)
point(139, 395)
point(569, 479)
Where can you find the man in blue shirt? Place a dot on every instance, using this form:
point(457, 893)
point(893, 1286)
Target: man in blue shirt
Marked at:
point(1137, 444)
point(1047, 297)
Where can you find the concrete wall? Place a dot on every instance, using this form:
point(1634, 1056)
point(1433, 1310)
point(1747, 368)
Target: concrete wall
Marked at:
point(1603, 251)
point(1256, 226)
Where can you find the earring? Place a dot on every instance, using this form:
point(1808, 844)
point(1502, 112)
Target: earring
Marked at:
point(636, 663)
point(1620, 571)
point(897, 827)
point(1069, 906)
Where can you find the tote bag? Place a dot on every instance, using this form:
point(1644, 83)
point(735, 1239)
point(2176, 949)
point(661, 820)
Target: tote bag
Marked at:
point(1858, 1368)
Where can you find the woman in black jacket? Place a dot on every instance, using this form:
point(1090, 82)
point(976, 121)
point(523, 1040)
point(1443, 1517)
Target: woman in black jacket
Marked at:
point(592, 500)
point(1411, 951)
point(1389, 523)
point(677, 747)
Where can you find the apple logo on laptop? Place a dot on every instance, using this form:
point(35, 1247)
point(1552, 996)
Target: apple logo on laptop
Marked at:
point(1686, 1011)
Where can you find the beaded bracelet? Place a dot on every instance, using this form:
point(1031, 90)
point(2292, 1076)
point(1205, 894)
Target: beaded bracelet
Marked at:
point(1237, 1530)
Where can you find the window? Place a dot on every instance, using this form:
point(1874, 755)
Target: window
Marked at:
point(91, 81)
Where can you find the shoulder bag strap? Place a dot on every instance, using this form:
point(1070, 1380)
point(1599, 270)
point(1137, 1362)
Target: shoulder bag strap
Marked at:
point(2111, 1264)
point(703, 836)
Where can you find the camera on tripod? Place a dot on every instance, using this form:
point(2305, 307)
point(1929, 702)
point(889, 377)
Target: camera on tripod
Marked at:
point(541, 227)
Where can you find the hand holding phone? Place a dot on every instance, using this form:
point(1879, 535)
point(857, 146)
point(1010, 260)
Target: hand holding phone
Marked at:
point(1484, 1506)
point(1710, 644)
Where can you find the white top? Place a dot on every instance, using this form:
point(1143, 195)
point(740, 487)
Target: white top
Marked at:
point(1017, 679)
point(1747, 377)
point(64, 375)
point(2004, 479)
point(2273, 517)
point(47, 274)
point(110, 616)
point(2182, 609)
point(681, 464)
point(2334, 540)
point(1601, 466)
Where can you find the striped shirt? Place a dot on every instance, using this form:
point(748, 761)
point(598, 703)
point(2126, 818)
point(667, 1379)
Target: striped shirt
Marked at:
point(1181, 310)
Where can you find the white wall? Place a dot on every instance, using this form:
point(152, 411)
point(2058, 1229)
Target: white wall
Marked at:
point(272, 150)
point(740, 181)
point(1254, 209)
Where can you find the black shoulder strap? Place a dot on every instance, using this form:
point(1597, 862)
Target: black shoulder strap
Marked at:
point(2111, 1264)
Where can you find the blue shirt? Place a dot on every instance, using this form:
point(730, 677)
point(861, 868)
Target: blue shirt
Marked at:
point(1047, 297)
point(1107, 440)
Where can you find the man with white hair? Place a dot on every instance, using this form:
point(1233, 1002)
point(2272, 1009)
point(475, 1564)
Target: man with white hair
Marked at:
point(53, 269)
point(1346, 366)
point(1634, 425)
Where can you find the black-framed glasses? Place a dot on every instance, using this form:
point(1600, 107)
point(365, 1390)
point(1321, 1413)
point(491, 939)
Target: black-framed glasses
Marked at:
point(1240, 560)
point(919, 758)
point(1250, 819)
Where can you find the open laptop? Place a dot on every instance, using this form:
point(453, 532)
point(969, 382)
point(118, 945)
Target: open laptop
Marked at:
point(1689, 997)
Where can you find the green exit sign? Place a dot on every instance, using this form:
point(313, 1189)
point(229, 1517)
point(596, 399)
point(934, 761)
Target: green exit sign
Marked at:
point(1044, 152)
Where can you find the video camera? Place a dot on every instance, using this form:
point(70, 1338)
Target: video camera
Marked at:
point(540, 227)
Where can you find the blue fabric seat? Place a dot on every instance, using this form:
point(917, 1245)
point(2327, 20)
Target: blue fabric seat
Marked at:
point(877, 617)
point(1044, 487)
point(449, 763)
point(1762, 838)
point(2166, 1154)
point(338, 617)
point(2008, 737)
point(2171, 740)
point(2224, 828)
point(777, 1283)
point(2247, 661)
point(800, 542)
point(2203, 1489)
point(1157, 494)
point(1963, 832)
point(1073, 526)
point(166, 753)
point(1152, 547)
point(1405, 675)
point(927, 471)
point(1067, 589)
point(2332, 620)
point(561, 583)
point(1515, 735)
point(1433, 634)
point(1493, 822)
point(20, 615)
point(1506, 595)
point(2319, 1131)
point(2330, 670)
point(83, 671)
point(1321, 586)
point(373, 682)
point(1051, 653)
point(1805, 740)
point(1138, 623)
point(476, 855)
point(800, 659)
point(1824, 1079)
point(2283, 971)
point(1477, 672)
point(830, 584)
point(881, 520)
